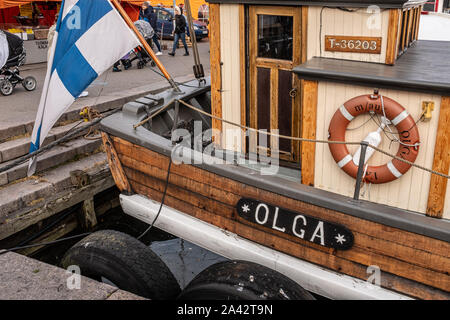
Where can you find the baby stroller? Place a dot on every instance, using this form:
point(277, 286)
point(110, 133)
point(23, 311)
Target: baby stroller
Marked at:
point(12, 56)
point(146, 30)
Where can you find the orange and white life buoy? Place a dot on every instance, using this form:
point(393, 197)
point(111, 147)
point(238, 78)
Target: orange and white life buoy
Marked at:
point(398, 116)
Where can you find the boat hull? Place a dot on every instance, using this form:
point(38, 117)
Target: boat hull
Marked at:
point(410, 263)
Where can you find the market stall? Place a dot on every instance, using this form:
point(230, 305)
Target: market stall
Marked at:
point(30, 20)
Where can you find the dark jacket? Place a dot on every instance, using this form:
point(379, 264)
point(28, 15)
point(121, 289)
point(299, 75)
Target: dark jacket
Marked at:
point(180, 24)
point(145, 14)
point(153, 19)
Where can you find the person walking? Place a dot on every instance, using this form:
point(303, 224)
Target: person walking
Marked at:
point(147, 13)
point(179, 32)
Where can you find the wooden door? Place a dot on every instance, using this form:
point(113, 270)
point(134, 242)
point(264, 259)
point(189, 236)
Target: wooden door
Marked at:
point(274, 49)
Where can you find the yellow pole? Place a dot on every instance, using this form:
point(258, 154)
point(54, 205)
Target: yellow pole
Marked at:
point(144, 44)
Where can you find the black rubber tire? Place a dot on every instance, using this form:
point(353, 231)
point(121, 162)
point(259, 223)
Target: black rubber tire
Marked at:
point(6, 87)
point(140, 65)
point(126, 262)
point(29, 83)
point(242, 280)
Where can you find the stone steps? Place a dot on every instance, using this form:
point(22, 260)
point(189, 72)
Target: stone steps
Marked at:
point(16, 148)
point(27, 202)
point(56, 156)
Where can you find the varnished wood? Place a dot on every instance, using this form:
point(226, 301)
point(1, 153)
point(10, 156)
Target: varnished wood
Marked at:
point(404, 30)
point(343, 262)
point(218, 195)
point(243, 75)
point(304, 32)
point(309, 115)
point(114, 165)
point(371, 229)
point(274, 142)
point(441, 162)
point(274, 65)
point(416, 32)
point(216, 70)
point(409, 29)
point(391, 42)
point(359, 49)
point(203, 192)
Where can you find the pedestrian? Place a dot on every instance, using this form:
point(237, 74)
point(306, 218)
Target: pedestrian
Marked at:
point(147, 13)
point(179, 32)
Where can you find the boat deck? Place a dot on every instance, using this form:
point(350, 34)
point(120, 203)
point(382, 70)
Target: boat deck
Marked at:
point(424, 67)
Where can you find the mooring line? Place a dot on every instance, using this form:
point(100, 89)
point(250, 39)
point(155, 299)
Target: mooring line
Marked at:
point(314, 140)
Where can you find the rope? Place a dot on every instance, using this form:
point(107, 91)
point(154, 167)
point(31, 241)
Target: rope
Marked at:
point(63, 139)
point(88, 114)
point(313, 140)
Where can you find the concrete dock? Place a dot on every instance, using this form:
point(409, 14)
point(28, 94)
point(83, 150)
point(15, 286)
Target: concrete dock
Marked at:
point(23, 278)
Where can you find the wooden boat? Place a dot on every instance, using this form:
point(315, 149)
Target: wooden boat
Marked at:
point(303, 70)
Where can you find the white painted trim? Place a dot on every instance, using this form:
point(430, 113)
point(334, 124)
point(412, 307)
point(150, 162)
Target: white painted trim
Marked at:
point(345, 113)
point(400, 117)
point(345, 160)
point(310, 276)
point(393, 170)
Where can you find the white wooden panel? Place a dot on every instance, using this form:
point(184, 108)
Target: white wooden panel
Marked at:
point(342, 23)
point(229, 51)
point(411, 190)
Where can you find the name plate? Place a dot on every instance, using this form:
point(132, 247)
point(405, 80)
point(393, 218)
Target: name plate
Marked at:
point(299, 225)
point(353, 44)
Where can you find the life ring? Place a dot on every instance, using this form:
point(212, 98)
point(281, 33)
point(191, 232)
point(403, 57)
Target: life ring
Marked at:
point(399, 116)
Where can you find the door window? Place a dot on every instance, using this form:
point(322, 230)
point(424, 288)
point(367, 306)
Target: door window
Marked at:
point(275, 36)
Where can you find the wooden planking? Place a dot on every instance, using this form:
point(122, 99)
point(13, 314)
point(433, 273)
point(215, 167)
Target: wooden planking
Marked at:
point(216, 69)
point(304, 34)
point(154, 176)
point(416, 32)
point(115, 165)
point(403, 31)
point(274, 143)
point(409, 29)
point(362, 226)
point(308, 126)
point(322, 258)
point(391, 49)
point(231, 74)
point(410, 192)
point(243, 73)
point(338, 22)
point(441, 162)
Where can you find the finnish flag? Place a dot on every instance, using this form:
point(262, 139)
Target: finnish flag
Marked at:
point(90, 37)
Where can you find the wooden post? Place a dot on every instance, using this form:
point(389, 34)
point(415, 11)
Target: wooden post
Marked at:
point(309, 114)
point(145, 44)
point(391, 49)
point(87, 217)
point(441, 162)
point(304, 40)
point(243, 71)
point(115, 166)
point(216, 70)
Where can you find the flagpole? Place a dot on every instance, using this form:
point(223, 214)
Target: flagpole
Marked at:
point(145, 44)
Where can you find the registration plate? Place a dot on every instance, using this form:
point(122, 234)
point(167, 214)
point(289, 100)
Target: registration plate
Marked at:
point(205, 32)
point(297, 224)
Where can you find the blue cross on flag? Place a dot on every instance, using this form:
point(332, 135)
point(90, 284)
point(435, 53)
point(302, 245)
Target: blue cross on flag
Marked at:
point(90, 37)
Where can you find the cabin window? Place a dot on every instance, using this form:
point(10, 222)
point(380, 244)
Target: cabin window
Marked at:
point(275, 36)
